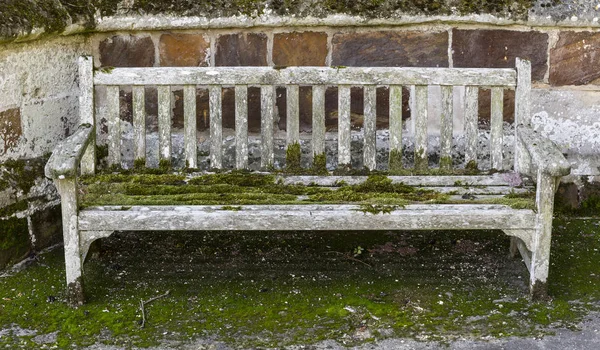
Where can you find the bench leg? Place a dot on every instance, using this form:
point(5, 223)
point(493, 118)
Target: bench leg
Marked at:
point(540, 253)
point(73, 258)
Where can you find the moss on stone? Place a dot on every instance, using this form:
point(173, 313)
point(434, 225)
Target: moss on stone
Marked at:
point(21, 174)
point(22, 16)
point(14, 233)
point(14, 208)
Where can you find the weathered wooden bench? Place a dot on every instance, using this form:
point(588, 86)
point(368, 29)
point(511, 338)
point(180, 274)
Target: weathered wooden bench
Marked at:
point(428, 193)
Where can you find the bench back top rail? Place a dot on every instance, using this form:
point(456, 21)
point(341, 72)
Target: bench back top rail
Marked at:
point(318, 78)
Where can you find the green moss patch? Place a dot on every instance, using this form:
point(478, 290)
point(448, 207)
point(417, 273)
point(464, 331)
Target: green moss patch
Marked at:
point(242, 187)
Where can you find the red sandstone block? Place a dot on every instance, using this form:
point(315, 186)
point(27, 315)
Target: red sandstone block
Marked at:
point(300, 49)
point(391, 49)
point(183, 50)
point(127, 51)
point(244, 49)
point(575, 60)
point(498, 49)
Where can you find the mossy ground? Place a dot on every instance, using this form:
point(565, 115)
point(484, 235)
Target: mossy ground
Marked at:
point(274, 289)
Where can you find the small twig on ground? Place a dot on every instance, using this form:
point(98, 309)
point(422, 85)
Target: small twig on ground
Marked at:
point(144, 303)
point(347, 256)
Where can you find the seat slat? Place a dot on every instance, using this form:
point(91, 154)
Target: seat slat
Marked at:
point(318, 119)
point(114, 125)
point(267, 101)
point(343, 125)
point(446, 119)
point(497, 106)
point(421, 127)
point(327, 217)
point(471, 114)
point(139, 122)
point(370, 127)
point(216, 126)
point(164, 122)
point(241, 126)
point(499, 179)
point(293, 115)
point(189, 125)
point(395, 162)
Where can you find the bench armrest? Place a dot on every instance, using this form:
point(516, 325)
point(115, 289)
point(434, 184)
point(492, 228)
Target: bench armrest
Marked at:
point(543, 152)
point(65, 158)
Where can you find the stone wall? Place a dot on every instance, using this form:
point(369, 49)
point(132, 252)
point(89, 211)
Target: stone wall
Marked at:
point(40, 41)
point(38, 85)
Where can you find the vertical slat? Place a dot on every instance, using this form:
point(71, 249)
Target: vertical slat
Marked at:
point(189, 125)
point(293, 115)
point(241, 126)
point(369, 126)
point(139, 123)
point(395, 162)
point(421, 127)
point(471, 109)
point(522, 102)
point(497, 106)
point(216, 126)
point(318, 119)
point(114, 125)
point(164, 122)
point(86, 111)
point(344, 125)
point(267, 101)
point(523, 92)
point(446, 128)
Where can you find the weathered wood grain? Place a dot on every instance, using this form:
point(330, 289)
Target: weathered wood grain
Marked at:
point(307, 76)
point(344, 125)
point(326, 217)
point(216, 126)
point(421, 127)
point(369, 127)
point(86, 111)
point(267, 103)
point(496, 139)
point(64, 161)
point(446, 119)
point(471, 120)
point(395, 124)
point(139, 122)
point(67, 188)
point(498, 179)
point(189, 125)
point(164, 122)
point(241, 126)
point(545, 155)
point(318, 119)
point(114, 125)
point(293, 115)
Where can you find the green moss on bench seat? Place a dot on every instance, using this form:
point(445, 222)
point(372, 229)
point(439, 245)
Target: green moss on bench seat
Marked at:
point(242, 187)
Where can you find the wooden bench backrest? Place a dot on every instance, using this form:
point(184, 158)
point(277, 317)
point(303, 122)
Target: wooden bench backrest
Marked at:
point(268, 78)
